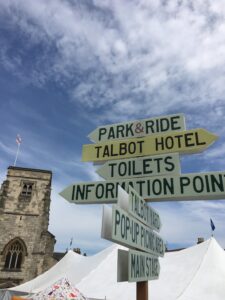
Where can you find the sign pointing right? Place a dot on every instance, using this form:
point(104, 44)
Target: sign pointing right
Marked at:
point(190, 141)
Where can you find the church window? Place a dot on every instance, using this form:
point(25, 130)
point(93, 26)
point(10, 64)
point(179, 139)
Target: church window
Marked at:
point(27, 189)
point(14, 256)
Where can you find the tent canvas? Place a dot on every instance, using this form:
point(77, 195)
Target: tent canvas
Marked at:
point(195, 273)
point(62, 289)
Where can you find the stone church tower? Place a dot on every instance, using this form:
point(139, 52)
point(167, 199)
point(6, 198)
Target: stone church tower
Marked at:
point(26, 245)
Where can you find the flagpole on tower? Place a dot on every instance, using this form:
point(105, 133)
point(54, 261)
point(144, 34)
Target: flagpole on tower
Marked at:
point(18, 141)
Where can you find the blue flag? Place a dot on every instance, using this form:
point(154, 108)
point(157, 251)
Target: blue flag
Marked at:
point(212, 225)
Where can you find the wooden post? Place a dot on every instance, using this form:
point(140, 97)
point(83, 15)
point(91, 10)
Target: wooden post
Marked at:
point(142, 290)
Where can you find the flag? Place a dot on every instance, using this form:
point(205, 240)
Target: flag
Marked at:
point(71, 241)
point(213, 227)
point(18, 139)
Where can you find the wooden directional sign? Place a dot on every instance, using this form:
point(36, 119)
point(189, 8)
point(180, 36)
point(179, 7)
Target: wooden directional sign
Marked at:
point(136, 266)
point(135, 205)
point(142, 266)
point(138, 128)
point(196, 186)
point(141, 167)
point(142, 211)
point(129, 232)
point(189, 141)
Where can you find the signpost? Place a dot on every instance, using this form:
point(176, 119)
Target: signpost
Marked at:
point(156, 165)
point(138, 128)
point(137, 266)
point(136, 206)
point(128, 231)
point(142, 266)
point(142, 158)
point(190, 141)
point(133, 229)
point(195, 186)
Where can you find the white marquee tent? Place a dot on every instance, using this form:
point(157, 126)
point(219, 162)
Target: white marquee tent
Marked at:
point(195, 273)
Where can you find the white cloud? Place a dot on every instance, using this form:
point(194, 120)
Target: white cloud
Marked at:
point(129, 59)
point(186, 221)
point(162, 53)
point(80, 222)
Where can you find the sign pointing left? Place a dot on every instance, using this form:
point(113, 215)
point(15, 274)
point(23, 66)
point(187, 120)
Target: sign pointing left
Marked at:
point(199, 186)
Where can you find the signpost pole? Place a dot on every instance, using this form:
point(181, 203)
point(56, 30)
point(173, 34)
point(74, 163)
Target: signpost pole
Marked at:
point(142, 290)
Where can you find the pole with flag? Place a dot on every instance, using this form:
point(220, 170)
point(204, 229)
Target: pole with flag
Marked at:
point(18, 141)
point(71, 242)
point(213, 227)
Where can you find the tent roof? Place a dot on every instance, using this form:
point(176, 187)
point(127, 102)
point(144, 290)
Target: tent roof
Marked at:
point(72, 266)
point(195, 273)
point(61, 289)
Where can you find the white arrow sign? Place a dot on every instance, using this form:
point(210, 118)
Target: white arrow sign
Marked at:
point(121, 228)
point(138, 128)
point(196, 186)
point(156, 165)
point(135, 266)
point(134, 204)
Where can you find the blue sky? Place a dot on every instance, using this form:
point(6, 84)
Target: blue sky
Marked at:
point(69, 66)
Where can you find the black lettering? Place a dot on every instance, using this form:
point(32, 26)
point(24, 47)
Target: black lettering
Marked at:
point(106, 151)
point(149, 126)
point(135, 172)
point(207, 183)
point(123, 148)
point(170, 165)
point(169, 142)
point(129, 129)
point(98, 150)
point(122, 169)
point(184, 181)
point(131, 147)
point(198, 184)
point(111, 166)
point(158, 163)
point(133, 265)
point(112, 152)
point(88, 189)
point(157, 187)
point(174, 123)
point(188, 139)
point(122, 226)
point(168, 186)
point(117, 217)
point(140, 184)
point(146, 165)
point(99, 191)
point(109, 193)
point(164, 124)
point(142, 266)
point(80, 192)
point(217, 183)
point(140, 143)
point(178, 137)
point(198, 143)
point(101, 132)
point(111, 134)
point(73, 192)
point(159, 144)
point(120, 131)
point(147, 266)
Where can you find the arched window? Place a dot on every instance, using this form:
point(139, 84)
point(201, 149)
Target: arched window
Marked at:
point(27, 189)
point(14, 256)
